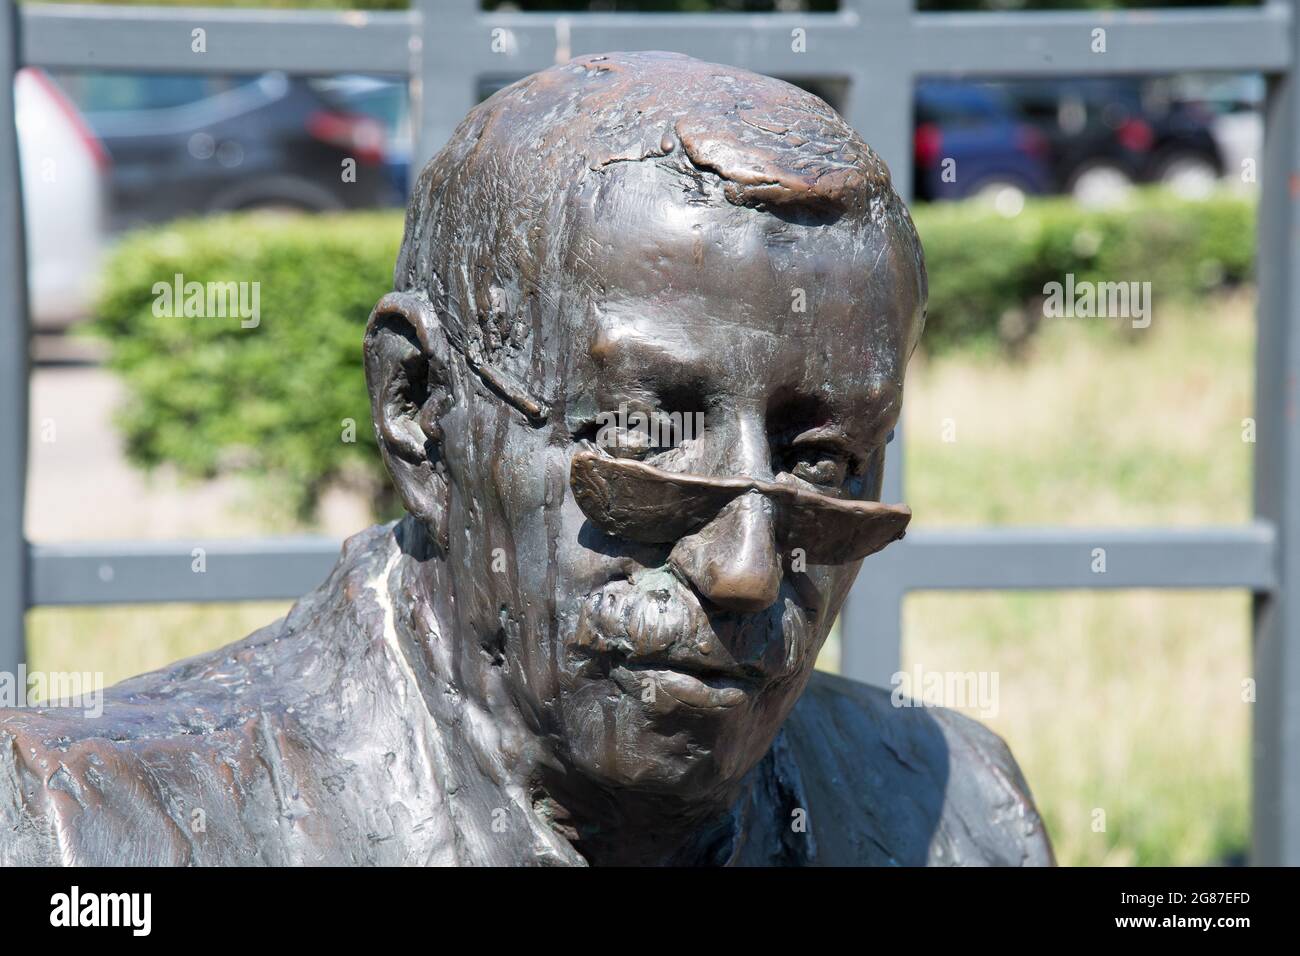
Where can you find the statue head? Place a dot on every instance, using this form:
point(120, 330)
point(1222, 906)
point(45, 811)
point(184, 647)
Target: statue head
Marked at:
point(646, 346)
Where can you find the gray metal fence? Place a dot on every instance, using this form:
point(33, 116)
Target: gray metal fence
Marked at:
point(877, 48)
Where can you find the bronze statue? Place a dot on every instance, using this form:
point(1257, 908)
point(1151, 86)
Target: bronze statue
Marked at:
point(634, 386)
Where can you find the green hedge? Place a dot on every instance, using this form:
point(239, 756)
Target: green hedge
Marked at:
point(983, 266)
point(210, 397)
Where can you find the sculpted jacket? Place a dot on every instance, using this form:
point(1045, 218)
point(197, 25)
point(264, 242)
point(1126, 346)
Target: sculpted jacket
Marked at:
point(320, 740)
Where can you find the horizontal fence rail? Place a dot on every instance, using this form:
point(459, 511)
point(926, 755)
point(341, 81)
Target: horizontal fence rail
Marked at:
point(877, 48)
point(130, 572)
point(1137, 41)
point(237, 41)
point(1088, 558)
point(1001, 44)
point(137, 572)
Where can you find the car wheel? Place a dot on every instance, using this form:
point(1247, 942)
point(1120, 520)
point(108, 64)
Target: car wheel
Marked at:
point(275, 207)
point(1190, 175)
point(1006, 196)
point(276, 192)
point(1100, 184)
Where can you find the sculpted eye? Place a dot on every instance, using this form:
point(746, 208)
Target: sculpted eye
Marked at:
point(819, 466)
point(640, 434)
point(626, 442)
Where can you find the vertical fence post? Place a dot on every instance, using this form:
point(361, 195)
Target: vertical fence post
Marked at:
point(1276, 731)
point(880, 109)
point(451, 52)
point(13, 360)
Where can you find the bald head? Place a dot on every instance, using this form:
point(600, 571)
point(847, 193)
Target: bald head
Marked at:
point(496, 226)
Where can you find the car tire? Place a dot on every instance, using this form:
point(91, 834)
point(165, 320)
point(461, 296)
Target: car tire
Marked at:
point(277, 192)
point(1004, 194)
point(1189, 174)
point(1099, 183)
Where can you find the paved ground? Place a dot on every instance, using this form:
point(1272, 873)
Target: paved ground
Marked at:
point(79, 485)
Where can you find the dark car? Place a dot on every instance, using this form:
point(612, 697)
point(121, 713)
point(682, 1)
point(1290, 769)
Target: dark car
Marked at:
point(387, 101)
point(1105, 133)
point(187, 144)
point(969, 141)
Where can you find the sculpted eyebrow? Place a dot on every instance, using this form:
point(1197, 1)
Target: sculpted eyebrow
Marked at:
point(661, 367)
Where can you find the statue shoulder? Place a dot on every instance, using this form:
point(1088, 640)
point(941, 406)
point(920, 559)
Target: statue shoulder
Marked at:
point(28, 835)
point(110, 778)
point(198, 762)
point(909, 785)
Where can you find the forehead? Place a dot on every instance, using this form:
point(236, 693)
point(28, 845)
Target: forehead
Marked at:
point(736, 300)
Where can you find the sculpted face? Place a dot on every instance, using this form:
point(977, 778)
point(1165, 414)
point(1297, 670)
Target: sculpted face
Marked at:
point(671, 665)
point(657, 602)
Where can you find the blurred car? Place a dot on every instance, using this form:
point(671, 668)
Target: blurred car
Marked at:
point(1105, 134)
point(976, 128)
point(190, 144)
point(387, 102)
point(1236, 102)
point(64, 170)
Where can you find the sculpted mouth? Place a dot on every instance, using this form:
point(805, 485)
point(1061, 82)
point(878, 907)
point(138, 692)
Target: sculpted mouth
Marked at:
point(668, 687)
point(651, 638)
point(653, 623)
point(700, 669)
point(703, 671)
point(664, 685)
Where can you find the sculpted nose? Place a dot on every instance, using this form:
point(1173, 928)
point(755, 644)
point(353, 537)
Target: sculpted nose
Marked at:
point(733, 560)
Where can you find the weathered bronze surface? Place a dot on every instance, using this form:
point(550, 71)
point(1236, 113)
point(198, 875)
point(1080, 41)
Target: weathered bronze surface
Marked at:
point(590, 641)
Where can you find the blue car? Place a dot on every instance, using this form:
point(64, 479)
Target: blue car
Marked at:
point(970, 141)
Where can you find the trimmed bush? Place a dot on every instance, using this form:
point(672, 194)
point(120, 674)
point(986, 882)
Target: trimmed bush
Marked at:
point(211, 397)
point(983, 266)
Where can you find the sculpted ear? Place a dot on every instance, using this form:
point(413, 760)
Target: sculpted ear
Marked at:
point(407, 373)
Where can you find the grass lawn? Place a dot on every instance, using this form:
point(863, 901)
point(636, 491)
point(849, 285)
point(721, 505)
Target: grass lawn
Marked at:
point(1127, 703)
